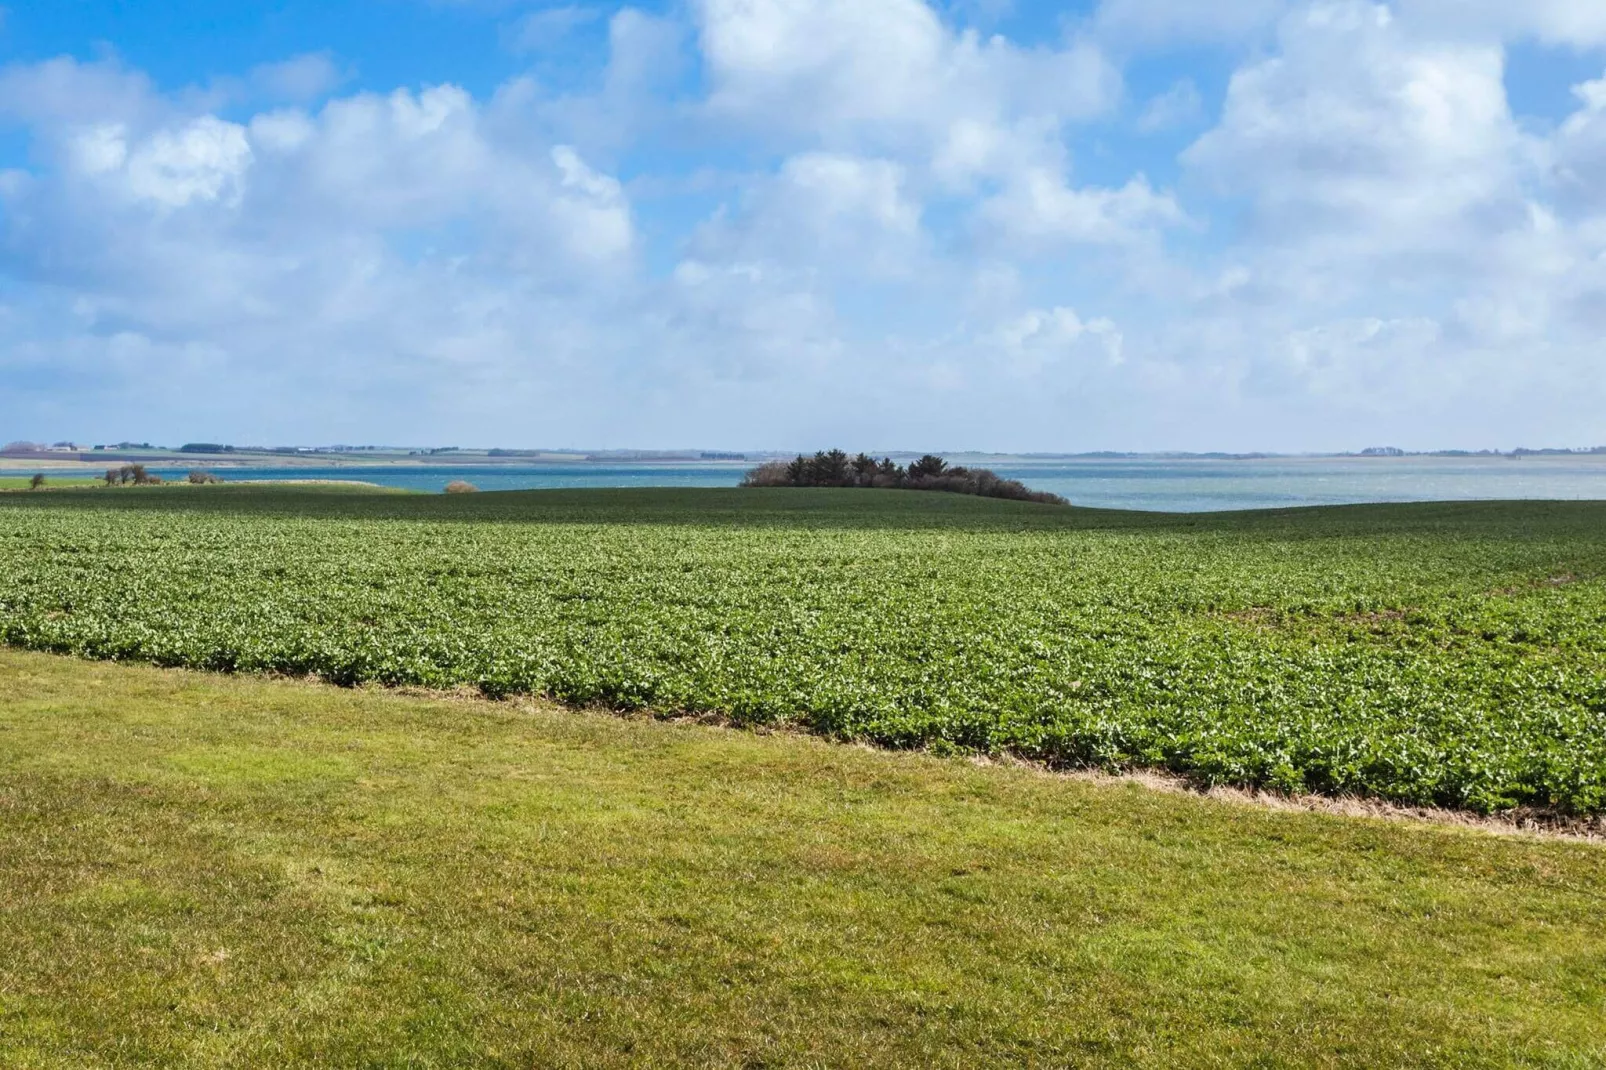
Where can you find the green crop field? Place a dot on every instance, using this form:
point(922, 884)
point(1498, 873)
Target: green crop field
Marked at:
point(1439, 654)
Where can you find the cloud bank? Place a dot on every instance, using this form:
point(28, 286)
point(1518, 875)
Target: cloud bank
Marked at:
point(781, 223)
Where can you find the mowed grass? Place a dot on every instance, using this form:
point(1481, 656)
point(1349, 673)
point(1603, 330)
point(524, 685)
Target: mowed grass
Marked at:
point(230, 871)
point(1452, 655)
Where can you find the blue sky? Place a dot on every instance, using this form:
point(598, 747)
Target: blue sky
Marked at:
point(1129, 224)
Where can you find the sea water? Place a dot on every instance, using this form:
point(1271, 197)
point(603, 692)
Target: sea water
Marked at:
point(1152, 483)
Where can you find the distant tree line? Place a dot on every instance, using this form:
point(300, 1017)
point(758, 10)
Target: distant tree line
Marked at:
point(23, 447)
point(834, 468)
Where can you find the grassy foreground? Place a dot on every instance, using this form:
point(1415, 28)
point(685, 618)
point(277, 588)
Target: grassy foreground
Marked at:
point(52, 482)
point(1452, 655)
point(232, 871)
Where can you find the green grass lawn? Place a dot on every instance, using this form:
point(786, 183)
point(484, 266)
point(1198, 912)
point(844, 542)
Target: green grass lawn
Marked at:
point(52, 482)
point(232, 871)
point(1452, 655)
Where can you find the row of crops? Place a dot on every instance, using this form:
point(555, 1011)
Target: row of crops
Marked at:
point(1451, 656)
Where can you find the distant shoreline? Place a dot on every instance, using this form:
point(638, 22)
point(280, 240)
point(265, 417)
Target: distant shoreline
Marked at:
point(228, 463)
point(306, 483)
point(80, 463)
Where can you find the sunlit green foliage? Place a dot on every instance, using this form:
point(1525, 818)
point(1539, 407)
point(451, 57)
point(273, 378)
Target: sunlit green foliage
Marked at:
point(1452, 655)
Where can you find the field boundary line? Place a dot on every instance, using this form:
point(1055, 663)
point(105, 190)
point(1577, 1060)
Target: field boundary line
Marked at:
point(1526, 822)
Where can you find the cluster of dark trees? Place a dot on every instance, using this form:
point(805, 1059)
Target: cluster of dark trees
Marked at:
point(131, 473)
point(834, 468)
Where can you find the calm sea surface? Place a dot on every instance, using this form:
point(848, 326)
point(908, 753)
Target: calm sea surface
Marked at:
point(1144, 483)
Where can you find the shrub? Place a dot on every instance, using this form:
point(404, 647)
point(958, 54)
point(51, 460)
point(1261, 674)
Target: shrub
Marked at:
point(461, 486)
point(769, 474)
point(200, 475)
point(131, 473)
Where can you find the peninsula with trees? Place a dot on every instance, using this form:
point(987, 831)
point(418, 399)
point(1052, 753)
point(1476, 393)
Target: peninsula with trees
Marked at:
point(834, 468)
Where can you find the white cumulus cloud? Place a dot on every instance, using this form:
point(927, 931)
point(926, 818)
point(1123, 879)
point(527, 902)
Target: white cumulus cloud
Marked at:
point(789, 222)
point(204, 160)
